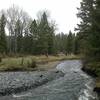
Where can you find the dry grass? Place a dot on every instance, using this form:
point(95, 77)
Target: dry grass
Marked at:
point(26, 63)
point(98, 82)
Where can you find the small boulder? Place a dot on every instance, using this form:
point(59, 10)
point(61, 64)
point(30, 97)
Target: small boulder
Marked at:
point(41, 76)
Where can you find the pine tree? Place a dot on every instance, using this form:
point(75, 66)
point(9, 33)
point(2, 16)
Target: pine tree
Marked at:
point(60, 42)
point(76, 45)
point(3, 42)
point(27, 43)
point(84, 28)
point(46, 34)
point(35, 37)
point(18, 37)
point(51, 40)
point(94, 38)
point(43, 34)
point(69, 45)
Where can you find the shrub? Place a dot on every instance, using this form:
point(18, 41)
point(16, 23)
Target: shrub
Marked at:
point(0, 59)
point(32, 64)
point(22, 61)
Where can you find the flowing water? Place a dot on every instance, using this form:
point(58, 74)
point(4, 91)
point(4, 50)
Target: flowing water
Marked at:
point(75, 85)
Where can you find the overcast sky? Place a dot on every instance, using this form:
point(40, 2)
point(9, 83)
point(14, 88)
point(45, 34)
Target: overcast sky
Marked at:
point(62, 11)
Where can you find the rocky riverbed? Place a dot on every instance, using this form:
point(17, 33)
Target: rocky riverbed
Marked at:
point(14, 82)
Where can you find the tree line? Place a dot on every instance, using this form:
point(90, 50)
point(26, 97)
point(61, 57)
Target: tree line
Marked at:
point(20, 34)
point(30, 36)
point(66, 43)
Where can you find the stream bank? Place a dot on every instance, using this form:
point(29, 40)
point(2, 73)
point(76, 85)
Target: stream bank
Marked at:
point(93, 73)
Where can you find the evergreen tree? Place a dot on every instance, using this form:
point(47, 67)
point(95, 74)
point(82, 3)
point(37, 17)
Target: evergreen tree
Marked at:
point(3, 42)
point(69, 45)
point(27, 43)
point(35, 36)
point(18, 37)
point(46, 33)
point(51, 34)
point(57, 43)
point(76, 45)
point(43, 34)
point(84, 28)
point(94, 37)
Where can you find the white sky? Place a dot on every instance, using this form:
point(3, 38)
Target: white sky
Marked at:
point(62, 11)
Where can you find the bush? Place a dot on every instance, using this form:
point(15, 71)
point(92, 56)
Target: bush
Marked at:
point(22, 61)
point(32, 64)
point(0, 59)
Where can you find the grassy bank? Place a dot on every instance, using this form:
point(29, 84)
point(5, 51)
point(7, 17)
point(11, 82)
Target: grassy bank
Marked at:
point(30, 63)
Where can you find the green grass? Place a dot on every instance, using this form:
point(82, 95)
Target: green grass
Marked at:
point(27, 62)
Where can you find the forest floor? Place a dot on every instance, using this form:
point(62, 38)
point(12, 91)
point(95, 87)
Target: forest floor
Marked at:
point(31, 63)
